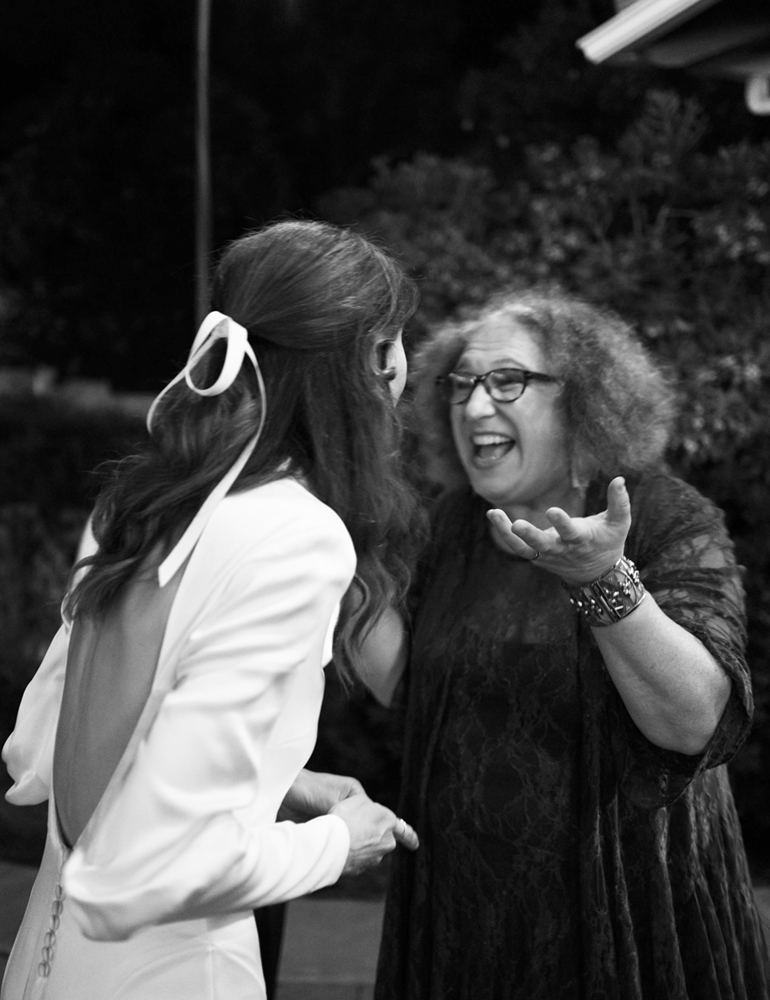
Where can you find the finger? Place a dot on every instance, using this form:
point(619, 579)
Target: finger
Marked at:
point(503, 529)
point(353, 788)
point(406, 835)
point(565, 525)
point(618, 503)
point(537, 539)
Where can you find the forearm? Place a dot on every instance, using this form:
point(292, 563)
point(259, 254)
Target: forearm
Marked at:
point(673, 688)
point(220, 869)
point(384, 653)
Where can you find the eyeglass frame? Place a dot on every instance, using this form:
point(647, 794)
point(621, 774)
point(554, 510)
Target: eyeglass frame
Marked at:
point(474, 380)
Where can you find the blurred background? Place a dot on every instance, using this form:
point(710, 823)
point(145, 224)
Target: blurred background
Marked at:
point(475, 139)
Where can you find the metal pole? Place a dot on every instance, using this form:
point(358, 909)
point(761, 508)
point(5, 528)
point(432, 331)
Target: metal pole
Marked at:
point(202, 163)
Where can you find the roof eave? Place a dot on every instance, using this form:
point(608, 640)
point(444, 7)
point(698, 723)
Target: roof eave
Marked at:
point(638, 25)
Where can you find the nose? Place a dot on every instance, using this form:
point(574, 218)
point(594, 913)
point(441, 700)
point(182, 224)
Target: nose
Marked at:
point(479, 403)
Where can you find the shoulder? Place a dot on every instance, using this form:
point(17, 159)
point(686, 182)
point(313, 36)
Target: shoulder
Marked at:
point(668, 512)
point(452, 510)
point(283, 507)
point(669, 497)
point(456, 521)
point(277, 503)
point(280, 521)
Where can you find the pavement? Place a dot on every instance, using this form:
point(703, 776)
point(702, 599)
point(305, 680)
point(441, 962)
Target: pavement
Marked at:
point(329, 948)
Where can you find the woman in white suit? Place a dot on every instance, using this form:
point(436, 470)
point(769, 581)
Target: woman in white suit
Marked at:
point(179, 701)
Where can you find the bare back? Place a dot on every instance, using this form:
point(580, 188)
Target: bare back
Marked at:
point(110, 670)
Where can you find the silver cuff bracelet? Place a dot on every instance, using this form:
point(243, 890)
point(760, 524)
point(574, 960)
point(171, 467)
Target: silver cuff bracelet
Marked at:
point(610, 598)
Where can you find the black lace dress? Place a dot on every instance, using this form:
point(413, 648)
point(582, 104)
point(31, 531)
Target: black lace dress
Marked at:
point(563, 856)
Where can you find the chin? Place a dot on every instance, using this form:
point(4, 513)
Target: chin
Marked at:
point(493, 498)
point(485, 487)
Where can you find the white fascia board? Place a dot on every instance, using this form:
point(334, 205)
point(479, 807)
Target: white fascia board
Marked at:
point(639, 23)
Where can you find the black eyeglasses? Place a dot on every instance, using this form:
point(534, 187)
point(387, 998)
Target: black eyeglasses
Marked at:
point(504, 385)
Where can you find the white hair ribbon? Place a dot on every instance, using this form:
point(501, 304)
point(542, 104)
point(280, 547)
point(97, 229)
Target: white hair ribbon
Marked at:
point(215, 326)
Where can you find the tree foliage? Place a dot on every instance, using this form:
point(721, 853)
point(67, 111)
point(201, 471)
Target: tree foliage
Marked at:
point(673, 236)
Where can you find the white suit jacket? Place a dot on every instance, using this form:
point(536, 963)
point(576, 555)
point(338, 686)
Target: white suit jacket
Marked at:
point(186, 827)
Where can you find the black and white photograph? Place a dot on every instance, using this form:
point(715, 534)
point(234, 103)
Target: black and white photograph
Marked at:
point(385, 500)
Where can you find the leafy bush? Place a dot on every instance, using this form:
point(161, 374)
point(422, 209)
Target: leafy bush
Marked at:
point(47, 490)
point(674, 237)
point(36, 554)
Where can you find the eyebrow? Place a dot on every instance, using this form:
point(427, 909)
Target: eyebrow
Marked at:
point(499, 363)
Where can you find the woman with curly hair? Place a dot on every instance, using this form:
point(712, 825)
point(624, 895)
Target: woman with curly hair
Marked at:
point(575, 683)
point(179, 702)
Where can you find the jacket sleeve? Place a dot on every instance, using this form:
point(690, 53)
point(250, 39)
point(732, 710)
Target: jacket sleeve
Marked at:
point(179, 838)
point(28, 751)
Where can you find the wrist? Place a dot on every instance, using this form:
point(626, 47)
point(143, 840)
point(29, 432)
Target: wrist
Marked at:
point(588, 575)
point(610, 597)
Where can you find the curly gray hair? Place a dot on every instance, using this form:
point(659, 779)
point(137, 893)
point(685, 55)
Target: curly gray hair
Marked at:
point(618, 405)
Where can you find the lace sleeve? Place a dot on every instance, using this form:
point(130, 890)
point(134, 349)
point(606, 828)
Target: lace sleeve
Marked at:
point(686, 560)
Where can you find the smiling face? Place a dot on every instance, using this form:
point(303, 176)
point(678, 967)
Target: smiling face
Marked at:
point(515, 455)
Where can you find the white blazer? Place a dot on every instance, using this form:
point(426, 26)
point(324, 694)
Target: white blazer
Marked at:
point(184, 842)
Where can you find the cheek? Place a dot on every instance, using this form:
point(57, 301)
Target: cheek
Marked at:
point(554, 443)
point(455, 424)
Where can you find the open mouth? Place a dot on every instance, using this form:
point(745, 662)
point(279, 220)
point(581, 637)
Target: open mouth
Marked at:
point(490, 448)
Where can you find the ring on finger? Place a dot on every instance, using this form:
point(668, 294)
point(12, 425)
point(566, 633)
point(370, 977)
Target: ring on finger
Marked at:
point(535, 556)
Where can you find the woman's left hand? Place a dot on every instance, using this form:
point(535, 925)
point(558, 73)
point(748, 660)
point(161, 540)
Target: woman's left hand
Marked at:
point(315, 793)
point(578, 549)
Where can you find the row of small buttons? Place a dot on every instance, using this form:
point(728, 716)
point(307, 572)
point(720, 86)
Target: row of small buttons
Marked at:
point(44, 968)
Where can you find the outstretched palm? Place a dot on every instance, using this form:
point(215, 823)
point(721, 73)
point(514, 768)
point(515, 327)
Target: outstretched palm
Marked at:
point(578, 549)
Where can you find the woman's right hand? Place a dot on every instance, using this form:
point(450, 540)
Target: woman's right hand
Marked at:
point(374, 832)
point(578, 549)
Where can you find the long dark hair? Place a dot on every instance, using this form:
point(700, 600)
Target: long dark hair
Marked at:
point(315, 300)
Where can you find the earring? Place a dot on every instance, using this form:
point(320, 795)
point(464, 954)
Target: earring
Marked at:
point(388, 374)
point(578, 478)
